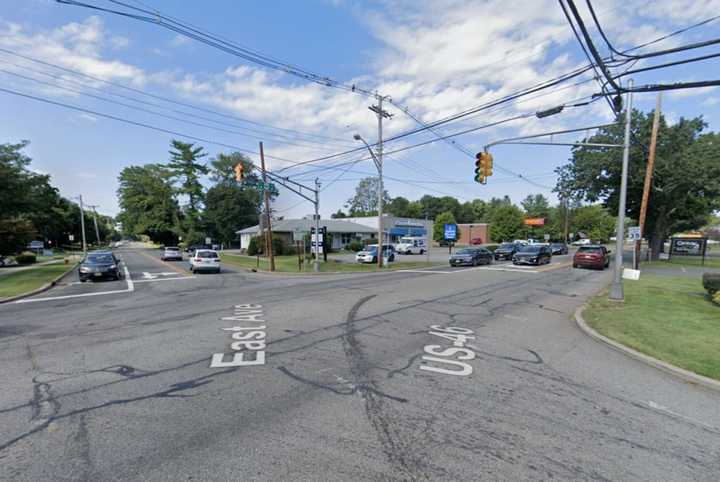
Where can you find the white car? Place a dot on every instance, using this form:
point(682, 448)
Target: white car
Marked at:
point(411, 245)
point(205, 260)
point(582, 242)
point(171, 252)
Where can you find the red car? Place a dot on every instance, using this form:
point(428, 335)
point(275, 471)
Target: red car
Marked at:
point(597, 257)
point(476, 241)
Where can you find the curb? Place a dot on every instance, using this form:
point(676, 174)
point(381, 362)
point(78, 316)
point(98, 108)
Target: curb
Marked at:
point(42, 289)
point(681, 373)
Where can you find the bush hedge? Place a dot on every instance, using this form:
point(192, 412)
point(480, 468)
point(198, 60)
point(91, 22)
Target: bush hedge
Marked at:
point(26, 258)
point(491, 247)
point(355, 246)
point(711, 282)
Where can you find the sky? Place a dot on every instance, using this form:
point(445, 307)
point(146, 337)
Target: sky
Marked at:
point(434, 58)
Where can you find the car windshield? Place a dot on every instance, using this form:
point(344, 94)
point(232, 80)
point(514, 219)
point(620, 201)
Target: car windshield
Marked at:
point(206, 254)
point(590, 249)
point(104, 258)
point(557, 245)
point(531, 249)
point(506, 246)
point(172, 249)
point(466, 251)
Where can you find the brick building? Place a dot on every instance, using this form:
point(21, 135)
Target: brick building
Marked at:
point(475, 231)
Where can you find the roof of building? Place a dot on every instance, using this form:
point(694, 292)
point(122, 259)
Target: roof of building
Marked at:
point(290, 225)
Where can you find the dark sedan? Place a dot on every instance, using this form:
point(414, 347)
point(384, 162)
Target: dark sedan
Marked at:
point(98, 265)
point(506, 251)
point(471, 257)
point(535, 254)
point(559, 248)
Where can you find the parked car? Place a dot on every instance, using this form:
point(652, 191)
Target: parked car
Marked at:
point(506, 251)
point(471, 257)
point(205, 260)
point(533, 254)
point(597, 257)
point(171, 253)
point(98, 265)
point(559, 248)
point(194, 247)
point(411, 245)
point(476, 241)
point(582, 242)
point(369, 254)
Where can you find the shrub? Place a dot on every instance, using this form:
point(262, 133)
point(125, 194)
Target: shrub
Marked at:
point(355, 246)
point(26, 258)
point(716, 298)
point(711, 282)
point(254, 246)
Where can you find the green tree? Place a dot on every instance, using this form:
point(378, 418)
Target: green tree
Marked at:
point(338, 215)
point(399, 206)
point(148, 206)
point(439, 227)
point(229, 208)
point(365, 200)
point(507, 223)
point(686, 181)
point(186, 170)
point(536, 206)
point(594, 221)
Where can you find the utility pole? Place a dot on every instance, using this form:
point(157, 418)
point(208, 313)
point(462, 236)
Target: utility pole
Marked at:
point(316, 247)
point(268, 238)
point(648, 176)
point(616, 288)
point(378, 109)
point(567, 219)
point(97, 231)
point(82, 225)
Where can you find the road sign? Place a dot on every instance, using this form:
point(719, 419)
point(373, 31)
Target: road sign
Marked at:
point(208, 240)
point(450, 231)
point(71, 237)
point(634, 233)
point(547, 237)
point(571, 235)
point(316, 237)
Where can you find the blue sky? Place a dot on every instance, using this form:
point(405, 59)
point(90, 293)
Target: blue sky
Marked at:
point(436, 57)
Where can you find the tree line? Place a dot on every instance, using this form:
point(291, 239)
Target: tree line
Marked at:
point(31, 208)
point(168, 202)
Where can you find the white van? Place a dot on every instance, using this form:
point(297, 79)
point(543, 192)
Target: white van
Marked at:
point(411, 245)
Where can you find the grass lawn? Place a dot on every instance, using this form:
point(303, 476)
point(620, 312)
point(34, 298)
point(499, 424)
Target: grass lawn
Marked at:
point(289, 264)
point(27, 280)
point(669, 318)
point(675, 261)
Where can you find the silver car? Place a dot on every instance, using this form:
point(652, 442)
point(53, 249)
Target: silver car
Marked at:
point(171, 253)
point(205, 260)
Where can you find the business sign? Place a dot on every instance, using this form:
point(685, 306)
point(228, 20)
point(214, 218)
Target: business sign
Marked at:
point(36, 245)
point(450, 231)
point(534, 222)
point(547, 237)
point(634, 233)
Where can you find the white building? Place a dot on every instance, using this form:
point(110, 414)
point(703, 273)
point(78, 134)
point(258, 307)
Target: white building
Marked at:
point(343, 232)
point(395, 228)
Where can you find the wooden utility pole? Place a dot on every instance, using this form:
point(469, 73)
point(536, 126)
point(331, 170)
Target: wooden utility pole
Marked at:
point(268, 238)
point(648, 176)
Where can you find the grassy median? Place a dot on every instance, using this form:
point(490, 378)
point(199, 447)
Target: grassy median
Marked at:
point(289, 264)
point(669, 318)
point(14, 284)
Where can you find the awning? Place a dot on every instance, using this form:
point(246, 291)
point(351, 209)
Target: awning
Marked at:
point(399, 231)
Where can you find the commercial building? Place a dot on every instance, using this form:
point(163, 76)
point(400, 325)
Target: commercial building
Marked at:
point(343, 232)
point(475, 233)
point(395, 228)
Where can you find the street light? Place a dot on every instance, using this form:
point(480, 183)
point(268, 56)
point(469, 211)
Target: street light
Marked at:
point(378, 165)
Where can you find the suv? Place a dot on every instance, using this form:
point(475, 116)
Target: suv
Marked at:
point(205, 260)
point(99, 264)
point(369, 254)
point(536, 254)
point(171, 253)
point(506, 251)
point(597, 257)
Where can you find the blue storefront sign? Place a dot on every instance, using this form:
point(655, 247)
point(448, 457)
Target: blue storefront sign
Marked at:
point(451, 231)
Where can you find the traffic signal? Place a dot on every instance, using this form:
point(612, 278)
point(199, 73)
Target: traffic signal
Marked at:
point(488, 164)
point(239, 172)
point(480, 168)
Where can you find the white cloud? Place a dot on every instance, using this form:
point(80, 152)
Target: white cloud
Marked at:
point(180, 41)
point(88, 117)
point(119, 42)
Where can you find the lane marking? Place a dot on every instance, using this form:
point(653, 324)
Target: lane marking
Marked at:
point(130, 288)
point(172, 267)
point(661, 408)
point(421, 271)
point(177, 278)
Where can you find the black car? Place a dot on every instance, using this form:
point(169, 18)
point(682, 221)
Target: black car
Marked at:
point(100, 264)
point(506, 251)
point(536, 254)
point(471, 257)
point(559, 248)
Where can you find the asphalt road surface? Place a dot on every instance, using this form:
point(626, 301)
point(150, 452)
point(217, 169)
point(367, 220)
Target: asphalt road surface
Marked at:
point(244, 376)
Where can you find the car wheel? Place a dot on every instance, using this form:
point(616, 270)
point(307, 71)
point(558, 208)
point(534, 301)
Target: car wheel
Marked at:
point(422, 251)
point(218, 271)
point(374, 260)
point(575, 265)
